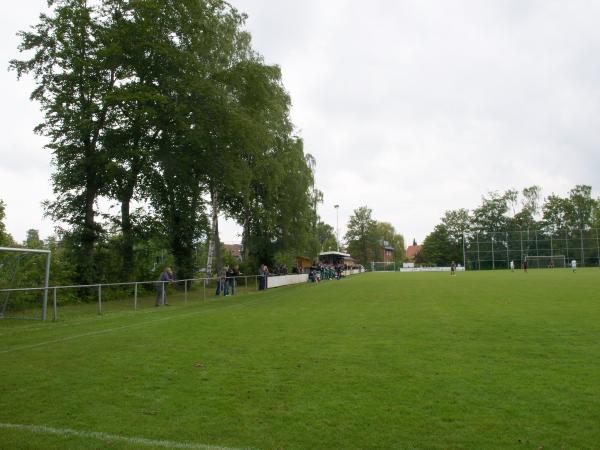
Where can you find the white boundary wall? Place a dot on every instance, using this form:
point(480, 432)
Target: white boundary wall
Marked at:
point(286, 280)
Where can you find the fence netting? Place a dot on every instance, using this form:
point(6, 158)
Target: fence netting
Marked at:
point(495, 250)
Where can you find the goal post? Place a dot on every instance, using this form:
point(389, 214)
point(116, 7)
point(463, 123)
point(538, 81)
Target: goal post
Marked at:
point(546, 262)
point(382, 266)
point(10, 289)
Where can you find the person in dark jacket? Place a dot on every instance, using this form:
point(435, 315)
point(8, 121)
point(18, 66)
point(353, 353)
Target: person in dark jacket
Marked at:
point(222, 282)
point(230, 280)
point(161, 288)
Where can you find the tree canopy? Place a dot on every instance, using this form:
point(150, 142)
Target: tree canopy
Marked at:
point(165, 104)
point(511, 211)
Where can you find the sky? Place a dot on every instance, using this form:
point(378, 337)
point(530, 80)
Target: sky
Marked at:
point(410, 107)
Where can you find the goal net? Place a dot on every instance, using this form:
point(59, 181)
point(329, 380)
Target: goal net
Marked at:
point(383, 266)
point(24, 275)
point(546, 262)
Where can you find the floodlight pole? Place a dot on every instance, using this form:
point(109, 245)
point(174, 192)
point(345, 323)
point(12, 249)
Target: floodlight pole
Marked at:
point(337, 226)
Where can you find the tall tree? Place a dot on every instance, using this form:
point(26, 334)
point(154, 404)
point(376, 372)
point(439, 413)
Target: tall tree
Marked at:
point(5, 238)
point(582, 205)
point(557, 213)
point(438, 249)
point(386, 232)
point(73, 66)
point(326, 236)
point(491, 214)
point(457, 223)
point(361, 235)
point(531, 200)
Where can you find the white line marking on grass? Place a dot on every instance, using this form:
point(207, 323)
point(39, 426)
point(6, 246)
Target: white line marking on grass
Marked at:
point(138, 441)
point(110, 330)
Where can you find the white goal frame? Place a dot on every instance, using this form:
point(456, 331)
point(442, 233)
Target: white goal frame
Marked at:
point(48, 254)
point(384, 264)
point(554, 258)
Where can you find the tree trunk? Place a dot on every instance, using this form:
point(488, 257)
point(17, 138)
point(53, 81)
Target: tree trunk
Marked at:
point(246, 238)
point(127, 243)
point(86, 270)
point(214, 247)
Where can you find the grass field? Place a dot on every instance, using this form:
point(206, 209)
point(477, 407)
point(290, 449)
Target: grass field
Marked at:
point(482, 360)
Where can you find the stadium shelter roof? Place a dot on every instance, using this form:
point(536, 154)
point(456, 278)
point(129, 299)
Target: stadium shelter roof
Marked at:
point(343, 255)
point(336, 258)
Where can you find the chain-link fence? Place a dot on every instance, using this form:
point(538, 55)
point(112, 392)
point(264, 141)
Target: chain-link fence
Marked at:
point(495, 250)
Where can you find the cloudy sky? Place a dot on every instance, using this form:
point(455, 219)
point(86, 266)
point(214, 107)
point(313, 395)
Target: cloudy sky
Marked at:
point(409, 107)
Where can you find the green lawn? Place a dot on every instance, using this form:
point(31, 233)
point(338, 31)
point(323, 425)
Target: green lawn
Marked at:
point(482, 360)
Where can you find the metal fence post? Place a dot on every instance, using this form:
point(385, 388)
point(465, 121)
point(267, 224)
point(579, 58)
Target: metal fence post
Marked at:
point(246, 280)
point(135, 296)
point(478, 256)
point(521, 237)
point(185, 291)
point(463, 246)
point(54, 308)
point(204, 290)
point(99, 299)
point(46, 281)
point(493, 256)
point(507, 254)
point(582, 252)
point(598, 246)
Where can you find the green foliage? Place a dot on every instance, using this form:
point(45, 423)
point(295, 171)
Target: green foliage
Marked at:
point(5, 238)
point(456, 224)
point(438, 248)
point(500, 213)
point(491, 214)
point(386, 232)
point(165, 103)
point(362, 236)
point(326, 237)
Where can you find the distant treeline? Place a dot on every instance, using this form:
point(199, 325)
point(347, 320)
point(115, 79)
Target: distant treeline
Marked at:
point(510, 211)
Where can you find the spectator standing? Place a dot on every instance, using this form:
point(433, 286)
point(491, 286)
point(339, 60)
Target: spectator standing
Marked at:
point(161, 291)
point(222, 282)
point(230, 280)
point(262, 279)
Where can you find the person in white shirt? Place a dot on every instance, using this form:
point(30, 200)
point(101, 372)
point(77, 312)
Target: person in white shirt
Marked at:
point(573, 265)
point(512, 266)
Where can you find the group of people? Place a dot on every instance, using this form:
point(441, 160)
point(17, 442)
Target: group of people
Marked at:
point(550, 265)
point(226, 283)
point(227, 280)
point(325, 272)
